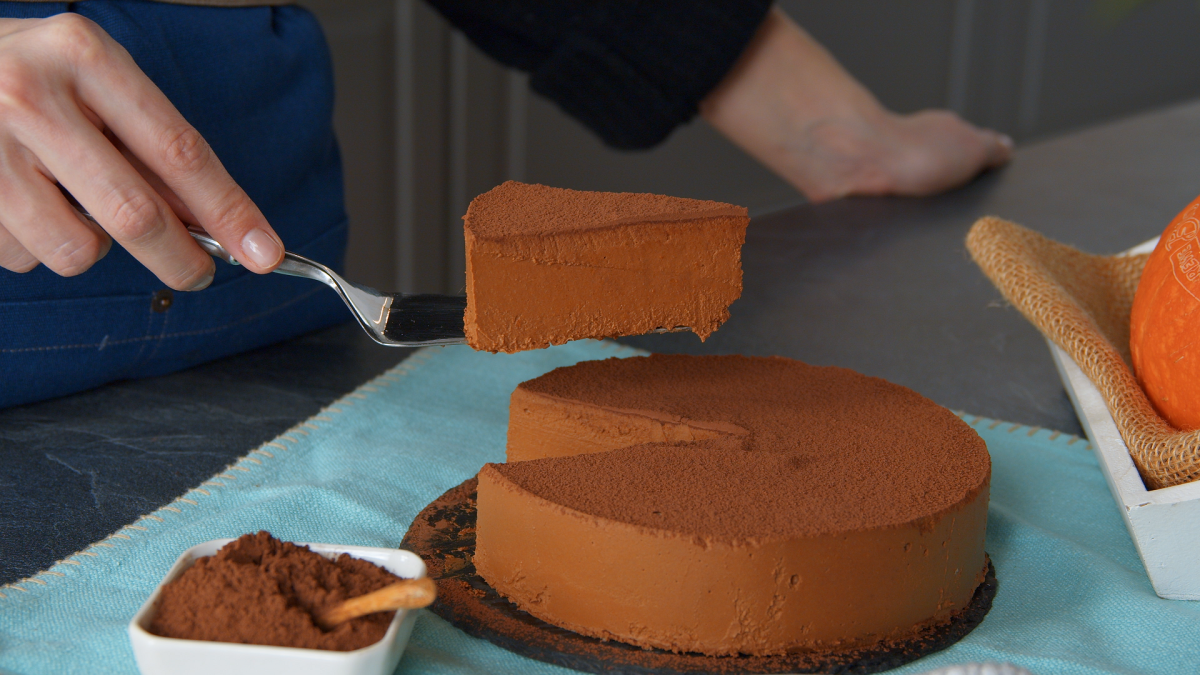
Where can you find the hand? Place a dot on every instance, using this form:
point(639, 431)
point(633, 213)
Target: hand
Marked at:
point(76, 111)
point(790, 105)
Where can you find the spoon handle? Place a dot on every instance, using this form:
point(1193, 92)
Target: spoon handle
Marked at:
point(406, 594)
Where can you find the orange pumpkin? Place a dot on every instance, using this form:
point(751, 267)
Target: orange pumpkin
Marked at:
point(1164, 327)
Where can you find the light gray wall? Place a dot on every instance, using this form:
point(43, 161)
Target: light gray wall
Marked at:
point(426, 121)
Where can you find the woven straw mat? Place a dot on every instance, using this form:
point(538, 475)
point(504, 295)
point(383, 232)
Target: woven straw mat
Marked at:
point(1081, 302)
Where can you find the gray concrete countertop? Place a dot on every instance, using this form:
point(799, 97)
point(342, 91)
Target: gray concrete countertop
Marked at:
point(883, 286)
point(886, 286)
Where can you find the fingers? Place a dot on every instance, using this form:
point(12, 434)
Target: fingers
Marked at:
point(77, 104)
point(181, 210)
point(39, 225)
point(119, 198)
point(148, 124)
point(982, 148)
point(13, 256)
point(935, 150)
point(999, 148)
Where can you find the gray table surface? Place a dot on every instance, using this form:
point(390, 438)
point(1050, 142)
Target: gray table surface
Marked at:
point(883, 286)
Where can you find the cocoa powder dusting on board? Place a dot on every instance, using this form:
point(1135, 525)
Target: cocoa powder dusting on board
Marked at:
point(260, 590)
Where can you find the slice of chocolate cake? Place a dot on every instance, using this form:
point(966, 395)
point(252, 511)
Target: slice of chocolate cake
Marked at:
point(547, 265)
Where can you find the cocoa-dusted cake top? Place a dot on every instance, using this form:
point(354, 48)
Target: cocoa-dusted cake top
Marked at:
point(847, 451)
point(514, 209)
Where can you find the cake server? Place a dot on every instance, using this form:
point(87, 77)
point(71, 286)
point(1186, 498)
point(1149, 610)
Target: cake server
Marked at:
point(392, 319)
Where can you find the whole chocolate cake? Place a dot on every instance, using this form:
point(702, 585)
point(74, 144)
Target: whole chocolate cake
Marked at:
point(733, 505)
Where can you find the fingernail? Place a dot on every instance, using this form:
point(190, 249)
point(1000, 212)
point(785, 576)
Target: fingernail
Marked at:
point(262, 248)
point(1006, 141)
point(202, 284)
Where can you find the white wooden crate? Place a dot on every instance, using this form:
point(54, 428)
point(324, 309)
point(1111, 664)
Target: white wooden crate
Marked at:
point(1164, 524)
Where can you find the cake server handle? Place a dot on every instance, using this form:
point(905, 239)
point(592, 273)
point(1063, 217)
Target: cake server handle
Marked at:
point(292, 265)
point(392, 319)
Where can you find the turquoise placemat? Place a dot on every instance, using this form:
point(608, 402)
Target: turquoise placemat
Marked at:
point(1073, 597)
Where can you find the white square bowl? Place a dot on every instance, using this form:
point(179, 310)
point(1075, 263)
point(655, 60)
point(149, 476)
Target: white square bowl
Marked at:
point(1164, 524)
point(171, 656)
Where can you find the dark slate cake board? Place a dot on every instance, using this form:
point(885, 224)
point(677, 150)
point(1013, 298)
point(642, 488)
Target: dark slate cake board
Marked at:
point(443, 534)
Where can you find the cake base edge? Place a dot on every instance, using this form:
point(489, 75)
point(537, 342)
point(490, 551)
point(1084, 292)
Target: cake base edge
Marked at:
point(443, 534)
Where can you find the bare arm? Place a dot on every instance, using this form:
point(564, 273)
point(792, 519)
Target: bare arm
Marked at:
point(790, 105)
point(76, 110)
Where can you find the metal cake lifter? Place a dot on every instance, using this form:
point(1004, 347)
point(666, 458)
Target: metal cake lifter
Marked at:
point(393, 319)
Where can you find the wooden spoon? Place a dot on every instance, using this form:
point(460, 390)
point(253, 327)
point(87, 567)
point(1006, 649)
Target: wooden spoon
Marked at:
point(406, 594)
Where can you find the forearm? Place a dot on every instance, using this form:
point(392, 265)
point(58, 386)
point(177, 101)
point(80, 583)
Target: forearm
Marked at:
point(784, 81)
point(788, 103)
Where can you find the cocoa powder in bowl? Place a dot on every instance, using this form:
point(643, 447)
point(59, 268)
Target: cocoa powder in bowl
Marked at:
point(263, 591)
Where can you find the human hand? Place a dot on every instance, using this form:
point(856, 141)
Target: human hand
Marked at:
point(76, 111)
point(791, 106)
point(921, 154)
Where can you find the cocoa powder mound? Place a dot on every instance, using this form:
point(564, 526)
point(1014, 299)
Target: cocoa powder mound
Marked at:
point(263, 591)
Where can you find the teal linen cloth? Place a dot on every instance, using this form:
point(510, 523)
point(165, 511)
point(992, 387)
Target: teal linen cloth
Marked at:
point(1073, 597)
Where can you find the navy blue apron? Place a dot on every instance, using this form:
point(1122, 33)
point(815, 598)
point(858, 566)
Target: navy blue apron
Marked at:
point(258, 84)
